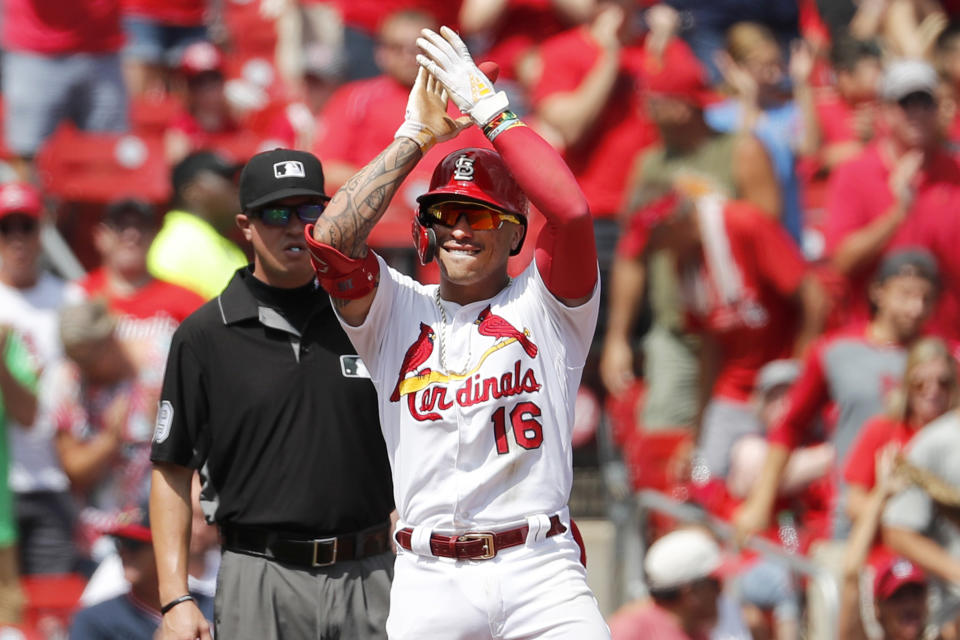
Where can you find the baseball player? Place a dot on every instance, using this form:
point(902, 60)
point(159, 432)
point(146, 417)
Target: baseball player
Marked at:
point(476, 377)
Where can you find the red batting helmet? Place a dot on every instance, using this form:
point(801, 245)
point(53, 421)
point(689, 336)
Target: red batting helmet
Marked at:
point(470, 175)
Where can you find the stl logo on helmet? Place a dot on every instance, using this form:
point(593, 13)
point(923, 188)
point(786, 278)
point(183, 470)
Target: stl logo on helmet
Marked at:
point(463, 168)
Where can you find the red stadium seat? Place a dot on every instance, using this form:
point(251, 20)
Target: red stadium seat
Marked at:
point(78, 166)
point(150, 116)
point(86, 171)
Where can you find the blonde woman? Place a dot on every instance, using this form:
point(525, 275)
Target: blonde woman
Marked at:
point(928, 391)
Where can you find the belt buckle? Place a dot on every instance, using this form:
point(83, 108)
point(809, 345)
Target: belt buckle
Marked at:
point(489, 546)
point(316, 548)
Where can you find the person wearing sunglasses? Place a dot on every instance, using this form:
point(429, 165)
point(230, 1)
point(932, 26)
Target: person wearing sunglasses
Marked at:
point(477, 375)
point(929, 389)
point(30, 298)
point(264, 391)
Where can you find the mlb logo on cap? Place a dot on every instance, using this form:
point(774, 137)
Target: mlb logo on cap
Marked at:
point(289, 169)
point(280, 173)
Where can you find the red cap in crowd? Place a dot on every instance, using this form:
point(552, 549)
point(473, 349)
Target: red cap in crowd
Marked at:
point(895, 573)
point(201, 57)
point(20, 197)
point(678, 74)
point(131, 524)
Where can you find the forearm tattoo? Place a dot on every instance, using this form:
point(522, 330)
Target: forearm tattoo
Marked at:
point(358, 205)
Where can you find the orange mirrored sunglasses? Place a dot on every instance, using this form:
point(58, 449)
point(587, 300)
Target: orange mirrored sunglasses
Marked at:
point(479, 217)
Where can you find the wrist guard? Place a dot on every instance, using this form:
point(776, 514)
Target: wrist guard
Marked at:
point(340, 275)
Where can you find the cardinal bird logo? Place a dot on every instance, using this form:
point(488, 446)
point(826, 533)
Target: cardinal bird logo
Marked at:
point(416, 355)
point(489, 324)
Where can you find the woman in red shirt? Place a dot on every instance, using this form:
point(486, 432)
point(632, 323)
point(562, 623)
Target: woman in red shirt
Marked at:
point(928, 391)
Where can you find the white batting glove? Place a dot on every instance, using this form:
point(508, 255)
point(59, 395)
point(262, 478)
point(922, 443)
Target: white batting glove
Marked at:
point(426, 121)
point(446, 57)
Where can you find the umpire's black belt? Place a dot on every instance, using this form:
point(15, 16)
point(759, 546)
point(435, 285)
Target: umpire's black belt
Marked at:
point(307, 553)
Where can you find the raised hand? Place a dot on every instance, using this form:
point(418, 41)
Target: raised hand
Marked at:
point(738, 78)
point(447, 58)
point(426, 120)
point(902, 179)
point(802, 61)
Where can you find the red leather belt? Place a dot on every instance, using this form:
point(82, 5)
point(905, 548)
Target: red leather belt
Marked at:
point(477, 545)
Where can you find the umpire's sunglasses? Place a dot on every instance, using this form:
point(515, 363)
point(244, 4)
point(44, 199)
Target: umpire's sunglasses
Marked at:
point(279, 216)
point(480, 217)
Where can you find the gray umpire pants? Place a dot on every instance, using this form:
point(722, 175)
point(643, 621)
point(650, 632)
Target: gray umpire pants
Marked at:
point(262, 599)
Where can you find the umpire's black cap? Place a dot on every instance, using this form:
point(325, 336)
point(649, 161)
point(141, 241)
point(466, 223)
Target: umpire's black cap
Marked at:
point(280, 173)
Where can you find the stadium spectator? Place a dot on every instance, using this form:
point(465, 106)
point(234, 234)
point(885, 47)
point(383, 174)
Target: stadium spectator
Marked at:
point(301, 122)
point(684, 571)
point(18, 401)
point(303, 26)
point(847, 114)
point(192, 249)
point(947, 61)
point(368, 112)
point(707, 24)
point(773, 104)
point(918, 522)
point(363, 20)
point(929, 389)
point(104, 403)
point(695, 161)
point(145, 307)
point(134, 615)
point(771, 391)
point(899, 586)
point(60, 62)
point(29, 300)
point(897, 193)
point(203, 561)
point(853, 369)
point(767, 589)
point(158, 32)
point(750, 299)
point(206, 117)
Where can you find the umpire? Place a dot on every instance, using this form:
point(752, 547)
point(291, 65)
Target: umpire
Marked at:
point(264, 394)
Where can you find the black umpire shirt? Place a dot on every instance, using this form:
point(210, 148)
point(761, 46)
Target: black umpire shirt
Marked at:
point(277, 411)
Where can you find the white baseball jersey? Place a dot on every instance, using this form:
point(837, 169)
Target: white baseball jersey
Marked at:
point(484, 441)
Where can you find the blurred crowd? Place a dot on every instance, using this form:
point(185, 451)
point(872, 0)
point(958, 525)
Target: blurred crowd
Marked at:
point(773, 185)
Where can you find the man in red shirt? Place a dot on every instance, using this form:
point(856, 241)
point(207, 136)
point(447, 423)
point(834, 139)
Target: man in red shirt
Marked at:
point(847, 116)
point(60, 62)
point(748, 293)
point(901, 191)
point(368, 112)
point(206, 121)
point(146, 308)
